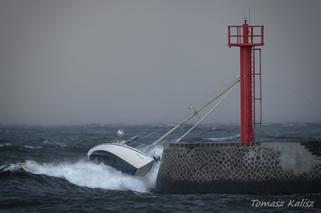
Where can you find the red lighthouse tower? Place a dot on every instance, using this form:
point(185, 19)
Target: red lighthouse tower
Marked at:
point(248, 38)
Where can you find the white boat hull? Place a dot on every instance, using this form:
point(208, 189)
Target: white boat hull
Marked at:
point(122, 157)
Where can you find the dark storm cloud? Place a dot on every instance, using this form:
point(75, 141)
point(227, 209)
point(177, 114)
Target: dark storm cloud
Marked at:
point(141, 61)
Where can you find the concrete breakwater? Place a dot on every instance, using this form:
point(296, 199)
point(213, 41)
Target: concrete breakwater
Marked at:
point(230, 167)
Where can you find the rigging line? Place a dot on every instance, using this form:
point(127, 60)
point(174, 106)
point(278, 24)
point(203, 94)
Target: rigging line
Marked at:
point(194, 113)
point(218, 96)
point(127, 141)
point(145, 136)
point(138, 144)
point(204, 116)
point(150, 134)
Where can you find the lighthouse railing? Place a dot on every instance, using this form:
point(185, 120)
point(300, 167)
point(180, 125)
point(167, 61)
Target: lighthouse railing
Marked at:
point(236, 36)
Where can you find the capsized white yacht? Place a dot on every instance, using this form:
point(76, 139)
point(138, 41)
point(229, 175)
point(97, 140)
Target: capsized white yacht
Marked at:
point(122, 157)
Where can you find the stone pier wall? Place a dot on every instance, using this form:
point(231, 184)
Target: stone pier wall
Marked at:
point(266, 167)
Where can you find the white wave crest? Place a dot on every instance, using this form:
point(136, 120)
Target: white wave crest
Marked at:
point(5, 144)
point(32, 147)
point(225, 138)
point(54, 143)
point(88, 174)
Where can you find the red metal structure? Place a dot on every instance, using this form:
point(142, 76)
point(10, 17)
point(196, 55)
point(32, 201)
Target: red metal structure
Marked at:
point(248, 38)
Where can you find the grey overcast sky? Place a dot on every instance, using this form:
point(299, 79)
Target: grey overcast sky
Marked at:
point(146, 61)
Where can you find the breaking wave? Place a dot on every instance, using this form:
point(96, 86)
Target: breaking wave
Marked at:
point(87, 174)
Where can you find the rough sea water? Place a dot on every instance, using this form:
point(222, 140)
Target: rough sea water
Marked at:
point(45, 169)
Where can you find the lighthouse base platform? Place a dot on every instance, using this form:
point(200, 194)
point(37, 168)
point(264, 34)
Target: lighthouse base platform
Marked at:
point(232, 167)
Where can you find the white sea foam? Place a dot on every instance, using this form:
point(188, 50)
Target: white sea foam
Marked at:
point(88, 174)
point(32, 147)
point(5, 144)
point(54, 143)
point(225, 138)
